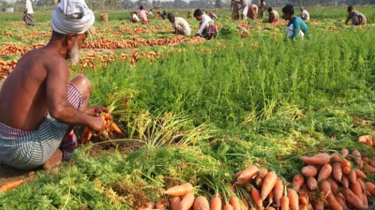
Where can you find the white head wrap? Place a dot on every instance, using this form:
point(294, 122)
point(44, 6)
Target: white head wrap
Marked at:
point(72, 17)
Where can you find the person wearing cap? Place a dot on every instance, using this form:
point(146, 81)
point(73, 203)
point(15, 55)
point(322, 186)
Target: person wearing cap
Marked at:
point(207, 28)
point(305, 15)
point(38, 106)
point(356, 17)
point(273, 16)
point(143, 13)
point(28, 13)
point(296, 26)
point(179, 24)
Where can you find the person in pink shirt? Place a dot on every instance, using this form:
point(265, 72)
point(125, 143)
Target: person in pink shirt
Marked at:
point(143, 13)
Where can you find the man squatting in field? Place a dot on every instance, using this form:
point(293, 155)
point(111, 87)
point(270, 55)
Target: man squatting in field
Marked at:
point(273, 15)
point(357, 17)
point(207, 28)
point(179, 24)
point(38, 107)
point(296, 26)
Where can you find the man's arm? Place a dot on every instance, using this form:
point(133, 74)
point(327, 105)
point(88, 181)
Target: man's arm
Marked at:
point(58, 104)
point(347, 20)
point(296, 29)
point(203, 25)
point(360, 18)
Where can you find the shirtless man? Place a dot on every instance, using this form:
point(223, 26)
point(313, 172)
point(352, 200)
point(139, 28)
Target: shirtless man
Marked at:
point(356, 17)
point(38, 107)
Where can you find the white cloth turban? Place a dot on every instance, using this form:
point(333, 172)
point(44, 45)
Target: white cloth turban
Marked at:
point(72, 17)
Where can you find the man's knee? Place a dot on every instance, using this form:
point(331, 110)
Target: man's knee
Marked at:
point(83, 84)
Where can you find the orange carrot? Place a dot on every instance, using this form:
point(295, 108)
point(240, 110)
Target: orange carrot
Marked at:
point(180, 190)
point(269, 183)
point(11, 185)
point(116, 128)
point(304, 188)
point(216, 203)
point(278, 192)
point(353, 200)
point(362, 184)
point(258, 181)
point(337, 171)
point(366, 139)
point(186, 201)
point(270, 208)
point(366, 159)
point(303, 198)
point(335, 158)
point(333, 203)
point(162, 203)
point(86, 135)
point(245, 203)
point(284, 203)
point(364, 199)
point(312, 184)
point(346, 166)
point(298, 181)
point(371, 188)
point(263, 172)
point(344, 153)
point(256, 198)
point(107, 116)
point(352, 177)
point(270, 198)
point(334, 186)
point(235, 203)
point(241, 182)
point(174, 203)
point(228, 207)
point(149, 205)
point(318, 159)
point(340, 198)
point(356, 189)
point(201, 203)
point(369, 169)
point(252, 208)
point(360, 174)
point(318, 205)
point(293, 199)
point(248, 173)
point(345, 181)
point(325, 187)
point(325, 172)
point(309, 171)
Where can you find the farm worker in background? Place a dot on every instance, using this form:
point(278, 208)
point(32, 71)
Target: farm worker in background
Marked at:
point(37, 104)
point(150, 13)
point(164, 15)
point(244, 8)
point(179, 25)
point(304, 14)
point(212, 15)
point(207, 28)
point(273, 15)
point(29, 13)
point(253, 11)
point(357, 17)
point(134, 18)
point(262, 8)
point(234, 8)
point(189, 15)
point(296, 26)
point(143, 13)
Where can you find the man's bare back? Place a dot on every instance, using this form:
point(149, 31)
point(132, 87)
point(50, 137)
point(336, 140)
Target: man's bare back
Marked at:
point(23, 96)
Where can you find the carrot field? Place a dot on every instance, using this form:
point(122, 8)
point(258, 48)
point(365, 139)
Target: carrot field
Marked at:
point(196, 111)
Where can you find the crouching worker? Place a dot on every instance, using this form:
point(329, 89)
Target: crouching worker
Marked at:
point(296, 26)
point(38, 106)
point(179, 24)
point(207, 28)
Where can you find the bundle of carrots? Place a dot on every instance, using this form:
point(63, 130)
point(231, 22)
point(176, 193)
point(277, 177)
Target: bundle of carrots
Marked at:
point(6, 67)
point(335, 181)
point(109, 125)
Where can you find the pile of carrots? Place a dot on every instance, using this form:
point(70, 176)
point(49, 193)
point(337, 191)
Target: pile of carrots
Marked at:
point(14, 49)
point(110, 128)
point(6, 67)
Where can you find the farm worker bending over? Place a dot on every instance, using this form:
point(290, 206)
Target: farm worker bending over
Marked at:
point(207, 28)
point(143, 13)
point(245, 8)
point(253, 11)
point(29, 13)
point(179, 24)
point(134, 18)
point(304, 14)
point(38, 106)
point(357, 17)
point(262, 8)
point(296, 26)
point(273, 15)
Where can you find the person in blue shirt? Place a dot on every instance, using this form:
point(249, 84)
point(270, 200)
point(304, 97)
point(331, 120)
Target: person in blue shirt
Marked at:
point(296, 26)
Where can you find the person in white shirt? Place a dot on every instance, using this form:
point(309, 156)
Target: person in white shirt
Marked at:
point(29, 13)
point(179, 24)
point(273, 15)
point(245, 9)
point(150, 13)
point(134, 18)
point(305, 14)
point(207, 28)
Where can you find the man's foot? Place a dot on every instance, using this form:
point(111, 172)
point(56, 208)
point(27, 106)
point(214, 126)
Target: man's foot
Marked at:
point(54, 160)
